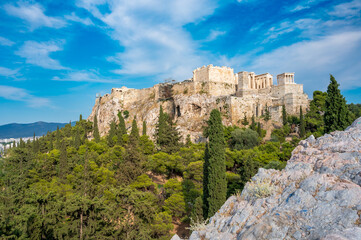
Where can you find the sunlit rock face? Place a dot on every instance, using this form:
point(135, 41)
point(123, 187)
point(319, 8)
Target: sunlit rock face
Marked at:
point(190, 102)
point(317, 195)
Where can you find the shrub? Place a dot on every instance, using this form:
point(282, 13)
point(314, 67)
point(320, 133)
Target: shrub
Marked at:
point(198, 224)
point(260, 189)
point(244, 139)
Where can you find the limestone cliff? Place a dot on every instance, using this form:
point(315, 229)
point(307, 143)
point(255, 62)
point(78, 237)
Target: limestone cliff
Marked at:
point(317, 195)
point(190, 102)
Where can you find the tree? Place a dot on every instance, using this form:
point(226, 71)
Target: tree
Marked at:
point(144, 130)
point(121, 126)
point(284, 115)
point(166, 134)
point(253, 123)
point(259, 129)
point(111, 134)
point(63, 161)
point(245, 121)
point(96, 130)
point(134, 134)
point(215, 183)
point(336, 115)
point(267, 115)
point(244, 139)
point(77, 140)
point(302, 124)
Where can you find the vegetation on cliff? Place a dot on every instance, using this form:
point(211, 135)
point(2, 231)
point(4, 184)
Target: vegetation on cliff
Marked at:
point(124, 186)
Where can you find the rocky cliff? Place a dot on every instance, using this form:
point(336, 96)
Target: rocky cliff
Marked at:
point(317, 195)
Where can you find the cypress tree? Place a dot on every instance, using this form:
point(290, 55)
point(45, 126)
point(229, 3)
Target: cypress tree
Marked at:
point(245, 121)
point(336, 115)
point(215, 168)
point(96, 130)
point(111, 134)
point(57, 138)
point(302, 124)
point(253, 124)
point(144, 128)
point(259, 129)
point(121, 126)
point(134, 134)
point(205, 182)
point(267, 115)
point(160, 131)
point(284, 115)
point(80, 118)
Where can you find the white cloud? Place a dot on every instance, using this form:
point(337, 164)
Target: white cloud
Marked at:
point(348, 9)
point(313, 61)
point(73, 17)
point(83, 76)
point(6, 42)
point(7, 72)
point(304, 4)
point(152, 34)
point(20, 94)
point(38, 54)
point(34, 15)
point(214, 34)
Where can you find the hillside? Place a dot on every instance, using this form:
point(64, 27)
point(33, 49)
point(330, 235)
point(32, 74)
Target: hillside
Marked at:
point(317, 195)
point(17, 130)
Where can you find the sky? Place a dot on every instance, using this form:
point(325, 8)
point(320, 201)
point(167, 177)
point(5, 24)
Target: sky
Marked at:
point(55, 56)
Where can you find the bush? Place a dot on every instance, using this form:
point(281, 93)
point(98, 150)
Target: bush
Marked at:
point(244, 139)
point(260, 189)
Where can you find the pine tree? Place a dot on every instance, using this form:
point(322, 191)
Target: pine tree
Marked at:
point(336, 115)
point(96, 130)
point(267, 115)
point(302, 124)
point(245, 121)
point(259, 129)
point(253, 124)
point(284, 115)
point(144, 128)
point(215, 168)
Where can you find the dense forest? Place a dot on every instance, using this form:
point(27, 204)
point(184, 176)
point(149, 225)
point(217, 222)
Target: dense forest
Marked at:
point(66, 185)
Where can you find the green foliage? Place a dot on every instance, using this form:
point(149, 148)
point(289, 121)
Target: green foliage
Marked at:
point(253, 124)
point(166, 134)
point(267, 114)
point(111, 137)
point(302, 124)
point(215, 174)
point(144, 130)
point(143, 182)
point(337, 116)
point(245, 120)
point(134, 134)
point(284, 115)
point(244, 139)
point(175, 205)
point(96, 130)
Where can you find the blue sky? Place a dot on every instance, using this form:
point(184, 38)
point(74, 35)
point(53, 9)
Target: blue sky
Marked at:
point(56, 55)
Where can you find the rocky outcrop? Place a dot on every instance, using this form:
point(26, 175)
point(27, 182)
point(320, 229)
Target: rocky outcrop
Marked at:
point(317, 195)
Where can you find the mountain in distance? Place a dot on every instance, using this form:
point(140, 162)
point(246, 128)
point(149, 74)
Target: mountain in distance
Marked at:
point(18, 130)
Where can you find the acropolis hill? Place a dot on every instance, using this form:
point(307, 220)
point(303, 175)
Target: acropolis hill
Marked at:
point(190, 102)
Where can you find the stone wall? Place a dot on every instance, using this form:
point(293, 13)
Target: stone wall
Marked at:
point(190, 102)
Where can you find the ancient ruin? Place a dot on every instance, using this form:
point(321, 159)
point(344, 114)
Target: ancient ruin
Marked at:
point(189, 102)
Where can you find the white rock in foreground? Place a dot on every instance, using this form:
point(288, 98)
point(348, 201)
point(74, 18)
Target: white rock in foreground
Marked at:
point(317, 195)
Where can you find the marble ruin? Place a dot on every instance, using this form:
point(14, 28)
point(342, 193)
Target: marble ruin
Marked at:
point(189, 102)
